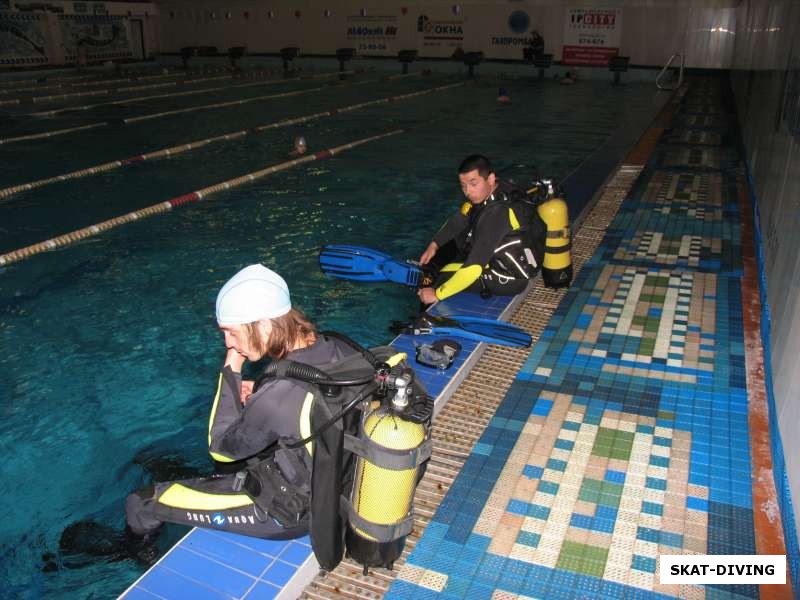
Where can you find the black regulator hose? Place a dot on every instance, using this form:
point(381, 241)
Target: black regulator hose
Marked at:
point(309, 374)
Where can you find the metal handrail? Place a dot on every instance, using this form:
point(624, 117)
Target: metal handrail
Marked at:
point(660, 85)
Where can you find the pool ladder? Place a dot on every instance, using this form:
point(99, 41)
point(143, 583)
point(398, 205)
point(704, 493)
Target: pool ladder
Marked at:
point(659, 82)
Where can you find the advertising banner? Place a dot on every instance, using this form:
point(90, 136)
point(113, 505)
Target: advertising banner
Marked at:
point(591, 35)
point(103, 37)
point(372, 34)
point(22, 39)
point(439, 34)
point(510, 32)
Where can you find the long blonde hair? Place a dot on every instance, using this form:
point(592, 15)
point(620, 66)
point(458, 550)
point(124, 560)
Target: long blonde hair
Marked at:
point(288, 331)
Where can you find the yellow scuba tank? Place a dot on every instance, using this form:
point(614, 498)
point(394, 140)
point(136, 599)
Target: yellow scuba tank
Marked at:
point(557, 267)
point(386, 476)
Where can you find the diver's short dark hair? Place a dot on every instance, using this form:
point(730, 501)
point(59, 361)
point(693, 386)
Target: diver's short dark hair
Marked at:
point(476, 162)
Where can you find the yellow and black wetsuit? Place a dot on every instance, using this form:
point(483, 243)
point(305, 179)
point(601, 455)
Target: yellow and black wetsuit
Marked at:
point(494, 241)
point(278, 410)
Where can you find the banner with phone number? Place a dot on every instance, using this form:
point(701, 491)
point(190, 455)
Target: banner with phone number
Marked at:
point(591, 36)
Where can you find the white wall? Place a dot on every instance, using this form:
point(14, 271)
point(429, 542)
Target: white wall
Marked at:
point(766, 82)
point(651, 30)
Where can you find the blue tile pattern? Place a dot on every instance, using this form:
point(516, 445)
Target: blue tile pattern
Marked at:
point(634, 402)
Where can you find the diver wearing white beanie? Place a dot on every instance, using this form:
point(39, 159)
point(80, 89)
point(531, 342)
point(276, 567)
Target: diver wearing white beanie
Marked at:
point(253, 294)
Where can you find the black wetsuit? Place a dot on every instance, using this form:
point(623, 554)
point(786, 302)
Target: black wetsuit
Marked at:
point(493, 239)
point(273, 412)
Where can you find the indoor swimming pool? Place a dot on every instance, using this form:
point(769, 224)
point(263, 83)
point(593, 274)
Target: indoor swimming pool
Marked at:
point(110, 346)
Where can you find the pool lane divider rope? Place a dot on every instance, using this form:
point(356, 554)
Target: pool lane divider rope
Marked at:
point(172, 151)
point(55, 111)
point(89, 80)
point(161, 207)
point(133, 88)
point(181, 111)
point(57, 132)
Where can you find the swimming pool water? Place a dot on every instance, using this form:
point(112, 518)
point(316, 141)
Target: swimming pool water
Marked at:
point(110, 350)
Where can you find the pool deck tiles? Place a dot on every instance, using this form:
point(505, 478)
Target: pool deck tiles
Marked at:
point(643, 427)
point(615, 442)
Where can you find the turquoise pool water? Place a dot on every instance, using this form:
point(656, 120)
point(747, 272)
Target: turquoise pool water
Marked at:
point(110, 350)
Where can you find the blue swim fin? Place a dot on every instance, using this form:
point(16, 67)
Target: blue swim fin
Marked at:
point(471, 328)
point(365, 264)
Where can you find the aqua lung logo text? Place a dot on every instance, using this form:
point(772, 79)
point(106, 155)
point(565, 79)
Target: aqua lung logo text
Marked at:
point(220, 520)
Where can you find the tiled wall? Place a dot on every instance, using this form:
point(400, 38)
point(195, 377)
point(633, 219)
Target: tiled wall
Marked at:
point(766, 81)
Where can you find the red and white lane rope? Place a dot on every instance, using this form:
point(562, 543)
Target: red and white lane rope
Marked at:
point(173, 150)
point(180, 111)
point(131, 88)
point(161, 207)
point(56, 111)
point(57, 132)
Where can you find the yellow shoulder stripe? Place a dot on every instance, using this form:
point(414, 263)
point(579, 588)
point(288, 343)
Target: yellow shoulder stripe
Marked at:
point(305, 422)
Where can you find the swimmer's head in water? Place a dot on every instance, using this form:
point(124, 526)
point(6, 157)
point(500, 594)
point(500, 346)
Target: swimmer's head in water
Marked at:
point(300, 144)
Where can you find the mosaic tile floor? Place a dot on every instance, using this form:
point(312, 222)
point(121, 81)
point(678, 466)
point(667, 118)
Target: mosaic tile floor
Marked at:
point(625, 434)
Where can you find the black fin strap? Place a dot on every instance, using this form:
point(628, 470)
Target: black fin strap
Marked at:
point(388, 458)
point(382, 533)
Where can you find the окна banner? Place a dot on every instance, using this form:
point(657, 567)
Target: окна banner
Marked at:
point(591, 35)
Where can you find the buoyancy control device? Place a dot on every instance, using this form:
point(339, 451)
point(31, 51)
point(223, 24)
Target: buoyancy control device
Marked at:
point(369, 440)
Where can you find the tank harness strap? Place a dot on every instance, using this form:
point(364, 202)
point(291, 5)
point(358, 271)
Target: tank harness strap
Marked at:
point(558, 249)
point(387, 458)
point(558, 233)
point(382, 533)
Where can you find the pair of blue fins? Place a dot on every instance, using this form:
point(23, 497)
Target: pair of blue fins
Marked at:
point(358, 263)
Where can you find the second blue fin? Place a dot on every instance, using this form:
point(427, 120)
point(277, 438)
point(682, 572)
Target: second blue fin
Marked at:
point(359, 263)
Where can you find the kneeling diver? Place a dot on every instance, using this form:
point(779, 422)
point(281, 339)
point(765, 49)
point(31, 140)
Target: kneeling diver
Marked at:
point(291, 430)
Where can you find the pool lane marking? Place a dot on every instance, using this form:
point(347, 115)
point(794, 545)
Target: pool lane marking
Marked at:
point(55, 111)
point(180, 111)
point(103, 91)
point(50, 113)
point(81, 81)
point(161, 207)
point(55, 132)
point(172, 151)
point(93, 76)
